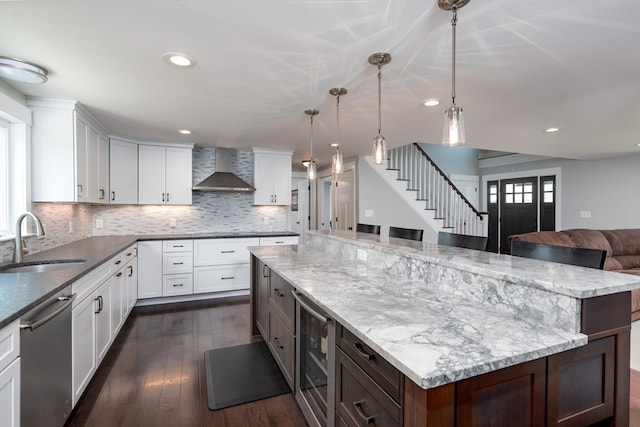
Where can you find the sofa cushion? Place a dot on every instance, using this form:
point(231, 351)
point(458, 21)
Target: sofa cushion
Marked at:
point(624, 241)
point(594, 239)
point(556, 238)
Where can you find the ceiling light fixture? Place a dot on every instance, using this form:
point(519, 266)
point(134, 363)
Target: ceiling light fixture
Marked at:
point(180, 60)
point(21, 71)
point(184, 132)
point(453, 133)
point(337, 163)
point(306, 163)
point(311, 167)
point(379, 153)
point(431, 102)
point(551, 130)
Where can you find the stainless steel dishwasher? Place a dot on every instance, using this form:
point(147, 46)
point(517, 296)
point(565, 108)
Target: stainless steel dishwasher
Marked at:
point(45, 362)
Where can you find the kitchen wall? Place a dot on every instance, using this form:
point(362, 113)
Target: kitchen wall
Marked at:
point(210, 212)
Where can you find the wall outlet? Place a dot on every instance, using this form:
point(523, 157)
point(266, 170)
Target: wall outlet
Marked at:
point(585, 214)
point(172, 222)
point(265, 220)
point(99, 223)
point(70, 226)
point(362, 255)
point(368, 213)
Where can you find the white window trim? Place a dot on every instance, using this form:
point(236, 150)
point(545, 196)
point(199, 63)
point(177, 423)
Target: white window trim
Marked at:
point(19, 118)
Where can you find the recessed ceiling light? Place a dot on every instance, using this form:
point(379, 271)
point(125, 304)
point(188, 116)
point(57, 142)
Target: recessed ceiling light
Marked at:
point(551, 130)
point(180, 60)
point(335, 144)
point(184, 131)
point(431, 102)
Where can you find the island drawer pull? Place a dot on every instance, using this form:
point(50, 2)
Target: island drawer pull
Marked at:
point(358, 406)
point(278, 293)
point(362, 353)
point(277, 341)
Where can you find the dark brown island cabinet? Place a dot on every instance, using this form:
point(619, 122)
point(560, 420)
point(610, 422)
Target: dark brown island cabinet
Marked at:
point(585, 386)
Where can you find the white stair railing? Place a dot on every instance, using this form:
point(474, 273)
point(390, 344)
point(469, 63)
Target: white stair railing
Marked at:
point(437, 191)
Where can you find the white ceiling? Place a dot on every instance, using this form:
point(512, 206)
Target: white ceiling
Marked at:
point(522, 66)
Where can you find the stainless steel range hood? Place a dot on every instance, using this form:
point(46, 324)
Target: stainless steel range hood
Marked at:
point(223, 179)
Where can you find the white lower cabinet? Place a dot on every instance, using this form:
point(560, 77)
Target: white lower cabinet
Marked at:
point(150, 269)
point(222, 264)
point(102, 304)
point(10, 375)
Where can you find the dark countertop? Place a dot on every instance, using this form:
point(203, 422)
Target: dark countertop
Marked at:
point(20, 292)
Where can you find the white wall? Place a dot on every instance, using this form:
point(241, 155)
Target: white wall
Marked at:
point(388, 208)
point(607, 188)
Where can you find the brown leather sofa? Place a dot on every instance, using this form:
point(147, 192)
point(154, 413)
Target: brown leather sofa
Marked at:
point(622, 246)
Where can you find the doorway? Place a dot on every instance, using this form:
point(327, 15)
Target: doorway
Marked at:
point(519, 205)
point(336, 200)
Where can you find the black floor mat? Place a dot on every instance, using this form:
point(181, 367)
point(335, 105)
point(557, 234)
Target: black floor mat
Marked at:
point(242, 374)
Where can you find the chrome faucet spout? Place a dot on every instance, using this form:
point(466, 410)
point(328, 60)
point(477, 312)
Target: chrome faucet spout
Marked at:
point(19, 250)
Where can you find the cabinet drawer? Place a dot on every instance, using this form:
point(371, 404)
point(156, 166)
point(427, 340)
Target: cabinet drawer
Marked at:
point(282, 301)
point(177, 284)
point(177, 262)
point(84, 286)
point(359, 399)
point(282, 344)
point(122, 258)
point(221, 278)
point(280, 240)
point(177, 245)
point(223, 251)
point(9, 343)
point(383, 372)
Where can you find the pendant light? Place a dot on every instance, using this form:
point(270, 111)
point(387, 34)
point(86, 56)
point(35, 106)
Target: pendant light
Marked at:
point(453, 131)
point(379, 154)
point(311, 167)
point(337, 164)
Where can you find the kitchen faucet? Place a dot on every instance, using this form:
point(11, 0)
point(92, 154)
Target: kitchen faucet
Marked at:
point(20, 246)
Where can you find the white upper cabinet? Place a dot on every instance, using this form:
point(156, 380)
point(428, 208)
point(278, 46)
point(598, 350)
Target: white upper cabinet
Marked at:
point(123, 176)
point(272, 177)
point(164, 175)
point(70, 161)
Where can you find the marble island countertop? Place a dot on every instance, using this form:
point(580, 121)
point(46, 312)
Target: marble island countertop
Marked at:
point(432, 335)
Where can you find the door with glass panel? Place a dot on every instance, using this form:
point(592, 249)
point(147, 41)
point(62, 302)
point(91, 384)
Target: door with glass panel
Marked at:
point(518, 208)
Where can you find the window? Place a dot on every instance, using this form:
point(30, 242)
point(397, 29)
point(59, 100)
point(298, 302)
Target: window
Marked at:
point(493, 193)
point(519, 192)
point(14, 197)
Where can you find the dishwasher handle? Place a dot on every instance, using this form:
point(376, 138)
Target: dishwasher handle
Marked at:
point(32, 325)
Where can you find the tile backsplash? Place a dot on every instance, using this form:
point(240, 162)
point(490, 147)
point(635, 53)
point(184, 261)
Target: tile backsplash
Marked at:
point(210, 212)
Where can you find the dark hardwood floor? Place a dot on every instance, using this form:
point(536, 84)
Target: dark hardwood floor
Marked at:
point(154, 373)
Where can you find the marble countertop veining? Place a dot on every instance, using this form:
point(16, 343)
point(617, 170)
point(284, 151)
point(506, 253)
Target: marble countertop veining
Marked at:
point(20, 292)
point(431, 336)
point(569, 280)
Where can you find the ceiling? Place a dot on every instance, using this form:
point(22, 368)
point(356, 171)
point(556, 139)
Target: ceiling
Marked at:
point(522, 66)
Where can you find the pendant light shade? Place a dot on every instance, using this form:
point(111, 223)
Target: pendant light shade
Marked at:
point(453, 131)
point(311, 167)
point(379, 153)
point(337, 163)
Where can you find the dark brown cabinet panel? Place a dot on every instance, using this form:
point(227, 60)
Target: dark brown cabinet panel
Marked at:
point(509, 397)
point(282, 301)
point(282, 343)
point(383, 372)
point(581, 384)
point(360, 401)
point(262, 273)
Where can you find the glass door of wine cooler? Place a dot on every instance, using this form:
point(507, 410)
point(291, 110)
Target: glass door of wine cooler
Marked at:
point(314, 335)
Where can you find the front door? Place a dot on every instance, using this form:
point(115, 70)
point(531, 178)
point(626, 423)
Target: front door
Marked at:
point(518, 208)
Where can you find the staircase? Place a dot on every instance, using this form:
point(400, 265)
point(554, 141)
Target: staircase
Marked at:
point(434, 192)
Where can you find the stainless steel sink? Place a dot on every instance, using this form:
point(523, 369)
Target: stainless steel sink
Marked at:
point(41, 266)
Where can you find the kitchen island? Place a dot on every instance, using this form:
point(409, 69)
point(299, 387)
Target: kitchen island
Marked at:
point(478, 337)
